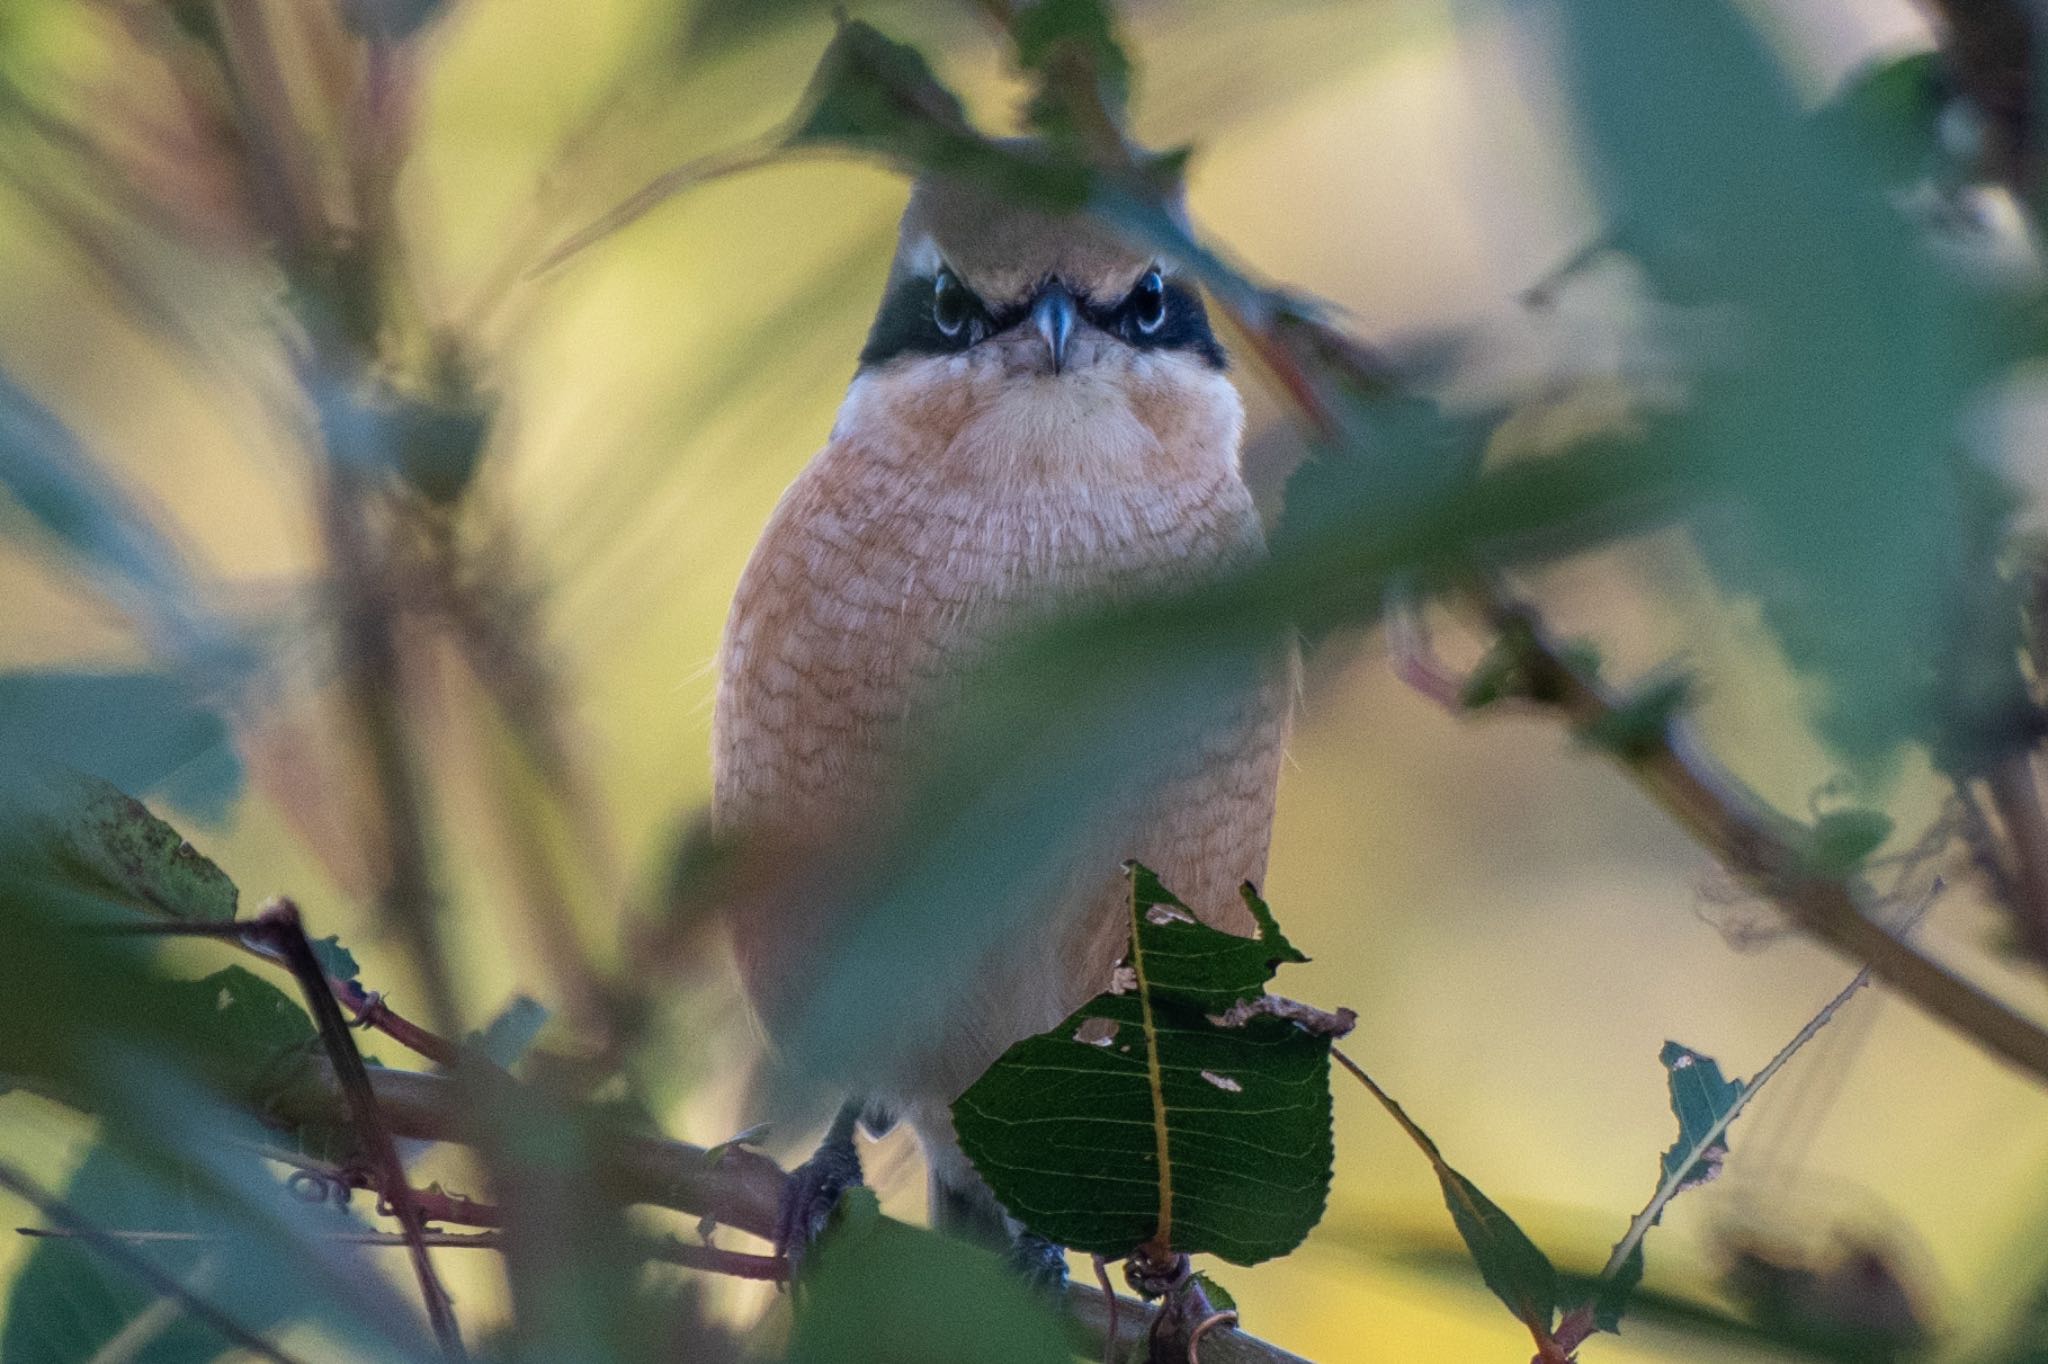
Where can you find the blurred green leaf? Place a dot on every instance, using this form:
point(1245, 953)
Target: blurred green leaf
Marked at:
point(880, 1292)
point(438, 443)
point(70, 1303)
point(1823, 413)
point(1892, 109)
point(879, 97)
point(1843, 840)
point(144, 732)
point(337, 961)
point(1070, 1128)
point(1639, 723)
point(46, 473)
point(107, 844)
point(1067, 724)
point(390, 19)
point(713, 28)
point(512, 1030)
point(1071, 43)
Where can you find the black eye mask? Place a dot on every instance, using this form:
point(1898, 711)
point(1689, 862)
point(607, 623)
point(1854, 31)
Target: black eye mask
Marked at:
point(918, 318)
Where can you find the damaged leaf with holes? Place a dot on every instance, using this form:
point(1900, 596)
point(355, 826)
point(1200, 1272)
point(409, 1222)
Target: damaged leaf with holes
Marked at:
point(1186, 1108)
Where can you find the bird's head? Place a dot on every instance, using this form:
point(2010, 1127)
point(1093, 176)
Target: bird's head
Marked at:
point(1044, 292)
point(1012, 333)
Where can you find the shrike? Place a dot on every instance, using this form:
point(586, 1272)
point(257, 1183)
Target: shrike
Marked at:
point(1040, 416)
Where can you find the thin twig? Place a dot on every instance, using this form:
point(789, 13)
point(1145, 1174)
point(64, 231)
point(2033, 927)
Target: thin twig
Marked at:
point(280, 924)
point(455, 1240)
point(372, 1012)
point(668, 1250)
point(1640, 1225)
point(73, 1224)
point(1982, 843)
point(1109, 1293)
point(1756, 844)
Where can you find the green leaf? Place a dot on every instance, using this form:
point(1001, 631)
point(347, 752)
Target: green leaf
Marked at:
point(1825, 408)
point(1065, 44)
point(1147, 1117)
point(143, 732)
point(512, 1030)
point(876, 96)
point(1220, 1298)
point(48, 476)
point(712, 28)
point(1638, 725)
point(1612, 1296)
point(880, 1292)
point(1842, 840)
point(106, 843)
point(1513, 1266)
point(1187, 962)
point(1517, 1271)
point(1699, 1097)
point(337, 961)
point(1892, 108)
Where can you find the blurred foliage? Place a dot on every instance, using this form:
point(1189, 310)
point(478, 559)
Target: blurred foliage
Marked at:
point(245, 187)
point(1832, 430)
point(884, 1292)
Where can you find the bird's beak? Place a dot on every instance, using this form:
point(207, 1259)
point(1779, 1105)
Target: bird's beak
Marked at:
point(1052, 314)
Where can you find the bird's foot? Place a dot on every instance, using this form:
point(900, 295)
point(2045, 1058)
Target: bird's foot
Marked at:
point(814, 1190)
point(1041, 1263)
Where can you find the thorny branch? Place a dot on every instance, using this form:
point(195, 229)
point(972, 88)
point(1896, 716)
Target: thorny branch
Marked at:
point(279, 925)
point(733, 1186)
point(1760, 846)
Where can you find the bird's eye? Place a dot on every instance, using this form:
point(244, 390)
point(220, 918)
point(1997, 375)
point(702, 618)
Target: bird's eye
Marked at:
point(1148, 303)
point(951, 304)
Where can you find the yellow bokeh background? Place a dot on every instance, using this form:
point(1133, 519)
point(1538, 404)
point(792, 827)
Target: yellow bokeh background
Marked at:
point(1518, 930)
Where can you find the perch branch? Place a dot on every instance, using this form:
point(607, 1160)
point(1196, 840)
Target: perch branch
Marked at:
point(734, 1186)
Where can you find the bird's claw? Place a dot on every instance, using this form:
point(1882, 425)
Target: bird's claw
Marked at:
point(1039, 1262)
point(814, 1190)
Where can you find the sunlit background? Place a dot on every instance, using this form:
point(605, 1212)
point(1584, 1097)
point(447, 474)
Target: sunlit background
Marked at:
point(1518, 929)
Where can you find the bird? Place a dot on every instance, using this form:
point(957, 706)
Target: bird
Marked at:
point(1041, 415)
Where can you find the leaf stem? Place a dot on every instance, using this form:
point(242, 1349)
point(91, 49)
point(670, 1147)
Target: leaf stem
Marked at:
point(1160, 1247)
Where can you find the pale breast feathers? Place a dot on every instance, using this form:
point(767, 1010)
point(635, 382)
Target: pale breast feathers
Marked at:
point(891, 562)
